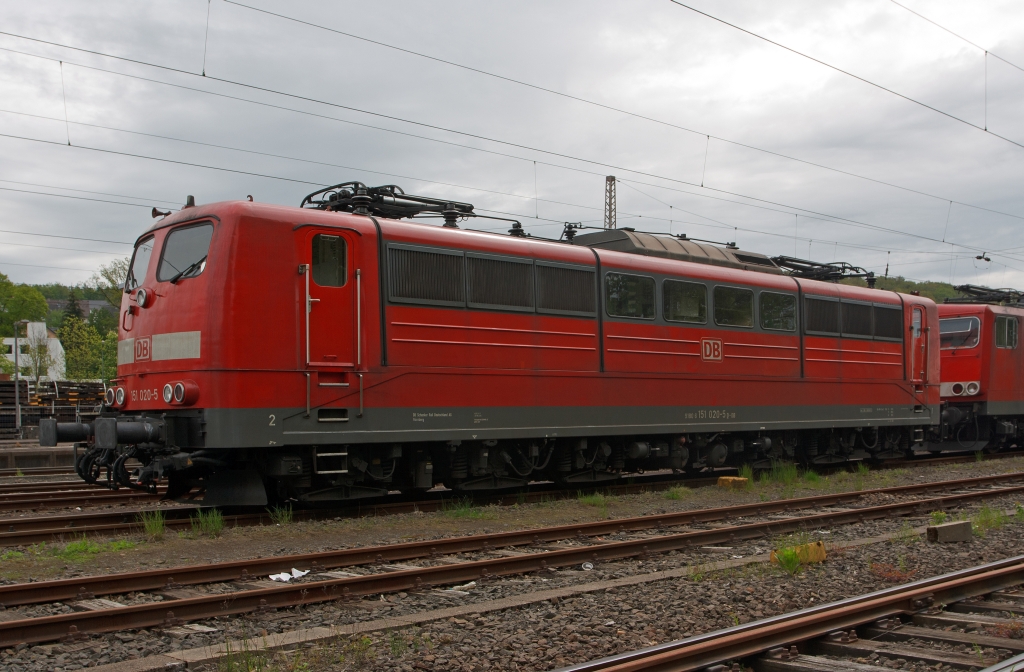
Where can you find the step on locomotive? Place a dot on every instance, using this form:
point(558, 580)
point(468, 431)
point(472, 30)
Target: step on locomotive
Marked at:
point(351, 347)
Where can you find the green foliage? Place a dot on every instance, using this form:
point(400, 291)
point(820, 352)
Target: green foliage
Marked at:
point(862, 469)
point(979, 456)
point(987, 519)
point(72, 308)
point(109, 281)
point(1018, 514)
point(19, 302)
point(55, 290)
point(593, 499)
point(936, 291)
point(678, 492)
point(397, 644)
point(784, 473)
point(906, 534)
point(103, 321)
point(153, 523)
point(83, 548)
point(87, 355)
point(812, 477)
point(461, 507)
point(747, 472)
point(281, 515)
point(789, 560)
point(939, 517)
point(209, 522)
point(11, 555)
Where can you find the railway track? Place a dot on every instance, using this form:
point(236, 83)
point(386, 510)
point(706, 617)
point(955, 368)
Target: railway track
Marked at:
point(939, 621)
point(374, 570)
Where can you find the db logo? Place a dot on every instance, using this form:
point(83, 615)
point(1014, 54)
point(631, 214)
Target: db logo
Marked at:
point(710, 349)
point(143, 349)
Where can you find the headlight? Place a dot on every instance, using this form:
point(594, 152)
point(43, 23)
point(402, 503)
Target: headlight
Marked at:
point(167, 393)
point(119, 396)
point(958, 389)
point(973, 388)
point(179, 392)
point(141, 298)
point(108, 397)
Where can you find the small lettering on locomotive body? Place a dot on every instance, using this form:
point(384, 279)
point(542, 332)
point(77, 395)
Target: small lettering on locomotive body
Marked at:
point(710, 414)
point(418, 416)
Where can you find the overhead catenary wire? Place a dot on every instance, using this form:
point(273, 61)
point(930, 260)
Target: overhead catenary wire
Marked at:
point(435, 127)
point(957, 35)
point(824, 216)
point(850, 74)
point(807, 212)
point(605, 106)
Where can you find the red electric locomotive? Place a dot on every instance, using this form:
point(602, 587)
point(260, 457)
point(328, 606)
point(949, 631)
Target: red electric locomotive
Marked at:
point(332, 351)
point(982, 387)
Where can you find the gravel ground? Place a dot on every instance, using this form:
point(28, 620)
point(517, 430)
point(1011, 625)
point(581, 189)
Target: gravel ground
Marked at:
point(551, 634)
point(47, 562)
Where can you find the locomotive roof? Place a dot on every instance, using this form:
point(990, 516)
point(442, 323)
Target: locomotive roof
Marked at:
point(635, 242)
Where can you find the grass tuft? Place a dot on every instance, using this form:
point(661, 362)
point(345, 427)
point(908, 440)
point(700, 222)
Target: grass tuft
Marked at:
point(678, 492)
point(939, 517)
point(812, 477)
point(209, 522)
point(19, 472)
point(789, 560)
point(987, 519)
point(747, 472)
point(281, 515)
point(462, 507)
point(153, 524)
point(783, 473)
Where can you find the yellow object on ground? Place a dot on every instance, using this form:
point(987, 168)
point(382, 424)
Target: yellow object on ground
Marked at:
point(807, 553)
point(732, 482)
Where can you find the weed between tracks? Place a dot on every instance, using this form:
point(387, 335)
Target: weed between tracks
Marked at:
point(207, 522)
point(462, 507)
point(281, 515)
point(153, 524)
point(356, 653)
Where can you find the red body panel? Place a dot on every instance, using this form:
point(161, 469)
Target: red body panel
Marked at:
point(250, 308)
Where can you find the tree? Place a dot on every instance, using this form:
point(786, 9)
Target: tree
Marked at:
point(71, 308)
point(19, 302)
point(103, 321)
point(39, 358)
point(82, 349)
point(109, 281)
point(108, 356)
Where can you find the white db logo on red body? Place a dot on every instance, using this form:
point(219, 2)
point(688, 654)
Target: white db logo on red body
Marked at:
point(143, 349)
point(711, 349)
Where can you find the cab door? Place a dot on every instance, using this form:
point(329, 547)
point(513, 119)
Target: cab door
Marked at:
point(918, 347)
point(330, 292)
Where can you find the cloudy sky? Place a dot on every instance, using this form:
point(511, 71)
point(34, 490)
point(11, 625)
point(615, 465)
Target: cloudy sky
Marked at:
point(322, 93)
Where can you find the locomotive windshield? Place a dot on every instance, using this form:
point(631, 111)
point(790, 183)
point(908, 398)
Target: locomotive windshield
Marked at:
point(184, 253)
point(137, 272)
point(959, 332)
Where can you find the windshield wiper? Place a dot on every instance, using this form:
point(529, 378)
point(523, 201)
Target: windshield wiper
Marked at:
point(188, 269)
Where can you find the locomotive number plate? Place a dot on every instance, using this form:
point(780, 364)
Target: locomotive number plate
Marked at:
point(711, 349)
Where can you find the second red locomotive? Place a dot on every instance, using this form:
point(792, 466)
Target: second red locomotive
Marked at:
point(333, 351)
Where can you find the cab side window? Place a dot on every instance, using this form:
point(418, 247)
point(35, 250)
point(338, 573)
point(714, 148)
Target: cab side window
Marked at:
point(734, 307)
point(184, 254)
point(1006, 331)
point(329, 257)
point(140, 264)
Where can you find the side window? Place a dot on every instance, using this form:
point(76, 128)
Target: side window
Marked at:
point(629, 295)
point(140, 264)
point(685, 301)
point(1006, 331)
point(330, 260)
point(184, 254)
point(778, 311)
point(959, 332)
point(821, 316)
point(734, 307)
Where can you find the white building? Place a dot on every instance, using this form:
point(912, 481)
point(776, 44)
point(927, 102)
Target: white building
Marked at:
point(37, 333)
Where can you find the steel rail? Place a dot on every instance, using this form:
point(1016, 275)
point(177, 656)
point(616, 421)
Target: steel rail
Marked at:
point(749, 639)
point(37, 471)
point(51, 500)
point(289, 595)
point(65, 589)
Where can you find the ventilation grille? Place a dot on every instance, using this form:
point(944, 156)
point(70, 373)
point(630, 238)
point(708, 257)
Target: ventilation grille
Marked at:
point(429, 277)
point(751, 259)
point(889, 323)
point(565, 290)
point(500, 283)
point(856, 319)
point(821, 316)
